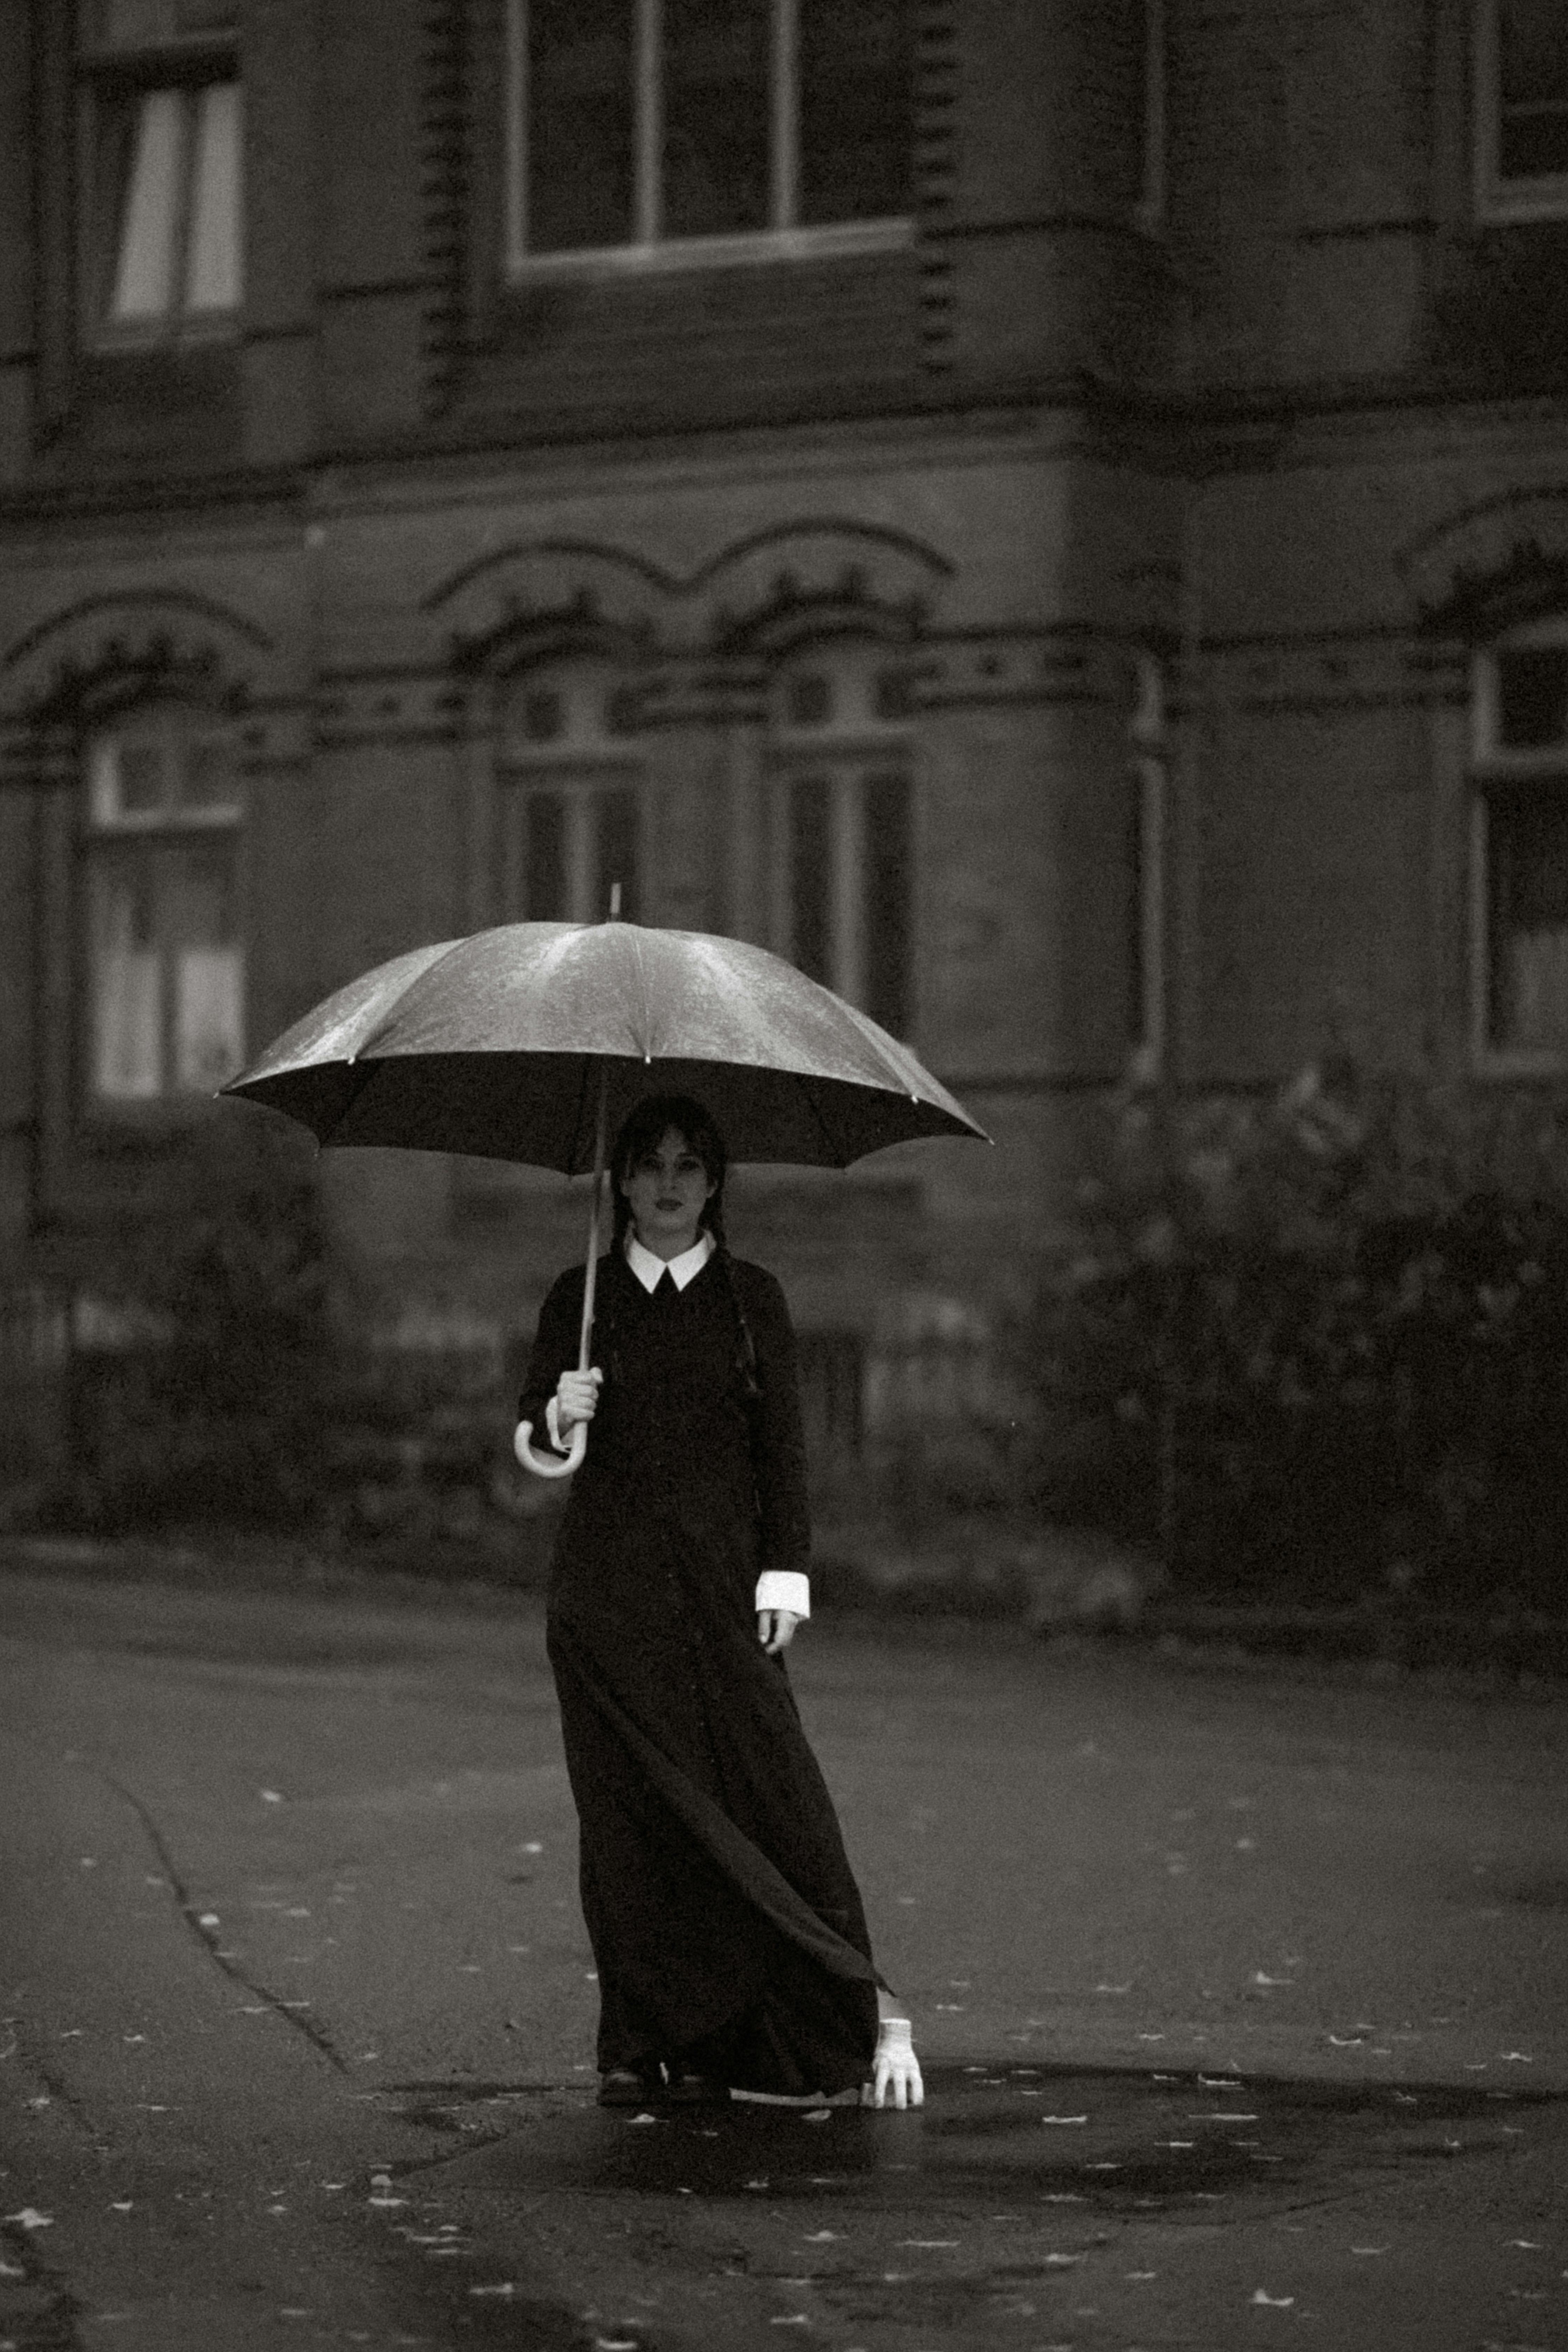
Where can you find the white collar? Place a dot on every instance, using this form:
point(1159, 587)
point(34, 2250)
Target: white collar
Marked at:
point(648, 1268)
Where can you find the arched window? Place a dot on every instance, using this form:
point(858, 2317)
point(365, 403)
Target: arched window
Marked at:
point(1520, 850)
point(842, 827)
point(574, 820)
point(165, 951)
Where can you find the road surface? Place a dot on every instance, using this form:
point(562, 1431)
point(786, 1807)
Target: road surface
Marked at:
point(1240, 1995)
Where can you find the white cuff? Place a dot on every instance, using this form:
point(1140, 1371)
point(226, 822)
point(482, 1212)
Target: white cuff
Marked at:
point(552, 1424)
point(784, 1587)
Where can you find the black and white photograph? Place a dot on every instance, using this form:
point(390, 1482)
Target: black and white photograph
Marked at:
point(783, 1175)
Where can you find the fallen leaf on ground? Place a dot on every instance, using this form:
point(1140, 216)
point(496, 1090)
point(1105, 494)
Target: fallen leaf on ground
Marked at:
point(1274, 2302)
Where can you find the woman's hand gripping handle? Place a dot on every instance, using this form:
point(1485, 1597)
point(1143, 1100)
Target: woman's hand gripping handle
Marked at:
point(896, 2070)
point(572, 1407)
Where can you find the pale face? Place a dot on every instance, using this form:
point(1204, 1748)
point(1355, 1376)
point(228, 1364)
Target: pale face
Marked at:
point(668, 1189)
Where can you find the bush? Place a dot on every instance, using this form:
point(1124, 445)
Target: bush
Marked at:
point(213, 1401)
point(1315, 1343)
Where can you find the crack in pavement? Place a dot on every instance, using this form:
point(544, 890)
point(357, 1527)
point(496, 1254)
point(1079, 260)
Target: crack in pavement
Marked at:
point(221, 1960)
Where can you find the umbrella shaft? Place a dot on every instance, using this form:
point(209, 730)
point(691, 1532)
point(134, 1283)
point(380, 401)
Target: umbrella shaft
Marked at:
point(592, 1268)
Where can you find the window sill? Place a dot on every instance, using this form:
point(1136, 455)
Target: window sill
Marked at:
point(845, 241)
point(1525, 200)
point(1500, 1065)
point(165, 342)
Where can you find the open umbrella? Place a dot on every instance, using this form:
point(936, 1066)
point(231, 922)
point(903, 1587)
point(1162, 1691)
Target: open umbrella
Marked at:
point(525, 1042)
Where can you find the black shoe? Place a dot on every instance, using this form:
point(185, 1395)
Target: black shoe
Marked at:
point(621, 2087)
point(688, 2089)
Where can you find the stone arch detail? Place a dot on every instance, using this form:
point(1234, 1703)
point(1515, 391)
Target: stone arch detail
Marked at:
point(780, 588)
point(1491, 566)
point(757, 595)
point(534, 599)
point(106, 652)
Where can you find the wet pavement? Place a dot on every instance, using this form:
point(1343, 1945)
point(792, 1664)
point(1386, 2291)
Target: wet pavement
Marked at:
point(1240, 2002)
point(1026, 2206)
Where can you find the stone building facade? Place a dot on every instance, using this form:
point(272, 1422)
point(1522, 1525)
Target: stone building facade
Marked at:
point(1055, 516)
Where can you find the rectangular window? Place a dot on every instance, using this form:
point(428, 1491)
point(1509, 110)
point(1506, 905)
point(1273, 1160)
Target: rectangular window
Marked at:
point(165, 951)
point(568, 842)
point(1152, 125)
point(1527, 928)
point(163, 127)
point(842, 913)
point(1521, 81)
point(1519, 851)
point(1149, 791)
point(649, 129)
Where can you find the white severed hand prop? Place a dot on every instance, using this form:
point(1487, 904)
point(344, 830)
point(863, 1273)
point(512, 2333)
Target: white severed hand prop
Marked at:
point(896, 2078)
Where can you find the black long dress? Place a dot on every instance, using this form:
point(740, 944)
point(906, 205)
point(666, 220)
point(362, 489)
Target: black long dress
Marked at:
point(727, 1926)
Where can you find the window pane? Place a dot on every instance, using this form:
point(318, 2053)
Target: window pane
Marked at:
point(811, 875)
point(888, 886)
point(1532, 696)
point(1137, 863)
point(1533, 75)
point(808, 699)
point(206, 778)
point(544, 859)
point(856, 121)
point(126, 984)
point(212, 267)
point(127, 780)
point(615, 853)
point(147, 205)
point(1529, 860)
point(580, 170)
point(717, 60)
point(544, 715)
point(201, 932)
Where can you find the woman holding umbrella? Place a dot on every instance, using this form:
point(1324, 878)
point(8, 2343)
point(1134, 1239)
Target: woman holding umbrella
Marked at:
point(731, 1939)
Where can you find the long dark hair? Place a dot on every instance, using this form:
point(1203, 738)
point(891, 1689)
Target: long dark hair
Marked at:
point(641, 1133)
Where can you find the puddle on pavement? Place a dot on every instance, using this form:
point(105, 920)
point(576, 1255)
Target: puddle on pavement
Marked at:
point(1108, 2139)
point(549, 2224)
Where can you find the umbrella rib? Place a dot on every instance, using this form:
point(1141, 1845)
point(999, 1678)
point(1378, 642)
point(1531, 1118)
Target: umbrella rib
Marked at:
point(369, 1039)
point(642, 984)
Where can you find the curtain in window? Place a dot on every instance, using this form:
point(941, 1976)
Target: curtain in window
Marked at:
point(150, 211)
point(212, 267)
point(199, 927)
point(128, 1002)
point(170, 163)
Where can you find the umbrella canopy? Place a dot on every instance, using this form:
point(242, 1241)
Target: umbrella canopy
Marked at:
point(503, 1046)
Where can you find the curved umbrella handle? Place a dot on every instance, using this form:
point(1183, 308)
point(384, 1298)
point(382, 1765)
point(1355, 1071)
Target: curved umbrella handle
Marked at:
point(549, 1466)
